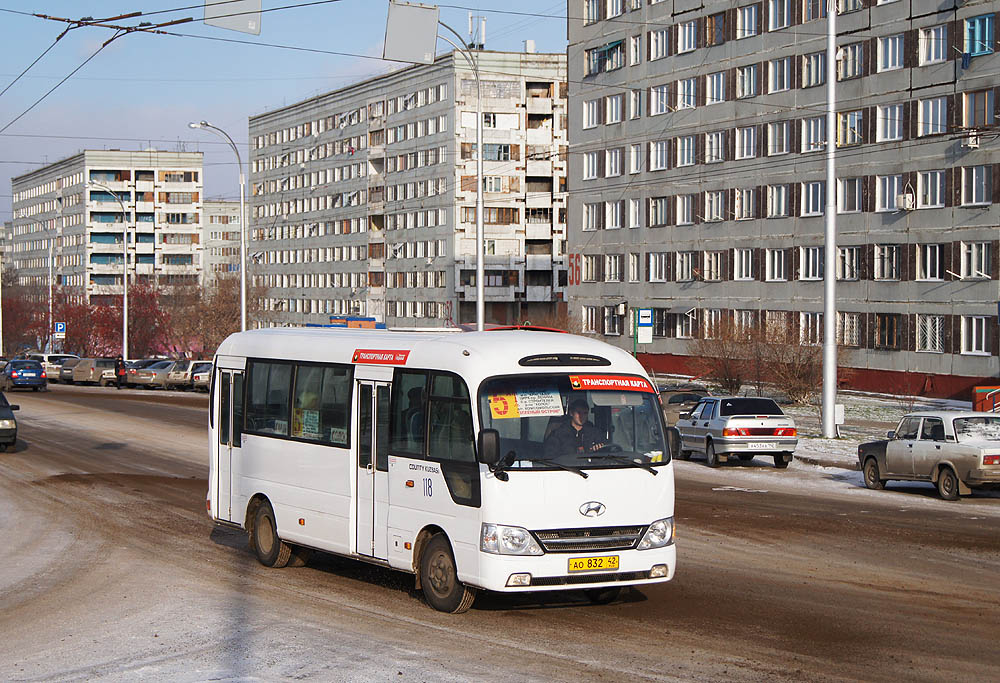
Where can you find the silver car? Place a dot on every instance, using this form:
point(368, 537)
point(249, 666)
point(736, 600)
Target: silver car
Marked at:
point(179, 374)
point(90, 370)
point(724, 426)
point(52, 362)
point(154, 375)
point(955, 450)
point(201, 376)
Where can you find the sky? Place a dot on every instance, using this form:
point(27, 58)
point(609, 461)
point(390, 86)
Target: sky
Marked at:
point(142, 90)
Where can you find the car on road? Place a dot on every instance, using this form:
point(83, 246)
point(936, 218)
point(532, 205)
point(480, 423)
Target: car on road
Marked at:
point(955, 450)
point(89, 370)
point(8, 425)
point(679, 399)
point(134, 366)
point(154, 375)
point(24, 373)
point(51, 362)
point(740, 426)
point(66, 370)
point(179, 374)
point(201, 377)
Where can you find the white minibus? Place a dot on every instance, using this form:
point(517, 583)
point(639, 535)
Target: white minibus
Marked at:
point(506, 461)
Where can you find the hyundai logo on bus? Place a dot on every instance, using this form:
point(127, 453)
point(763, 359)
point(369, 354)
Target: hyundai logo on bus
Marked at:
point(592, 509)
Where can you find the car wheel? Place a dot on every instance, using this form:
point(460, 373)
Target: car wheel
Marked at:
point(873, 478)
point(711, 458)
point(684, 455)
point(439, 578)
point(947, 484)
point(603, 596)
point(780, 462)
point(746, 457)
point(270, 550)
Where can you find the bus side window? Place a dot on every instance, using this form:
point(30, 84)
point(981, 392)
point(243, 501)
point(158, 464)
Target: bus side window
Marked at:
point(237, 409)
point(407, 426)
point(450, 439)
point(268, 398)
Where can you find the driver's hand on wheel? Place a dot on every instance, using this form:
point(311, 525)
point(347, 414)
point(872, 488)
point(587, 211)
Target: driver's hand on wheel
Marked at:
point(597, 446)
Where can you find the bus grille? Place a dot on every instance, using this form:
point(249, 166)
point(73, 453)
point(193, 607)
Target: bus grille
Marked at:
point(589, 539)
point(575, 579)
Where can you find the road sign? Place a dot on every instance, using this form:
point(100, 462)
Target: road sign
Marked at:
point(644, 326)
point(60, 328)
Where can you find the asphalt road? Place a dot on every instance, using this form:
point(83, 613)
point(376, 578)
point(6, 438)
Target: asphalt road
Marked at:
point(112, 571)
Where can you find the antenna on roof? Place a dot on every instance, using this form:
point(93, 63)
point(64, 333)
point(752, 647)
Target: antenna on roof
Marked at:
point(477, 39)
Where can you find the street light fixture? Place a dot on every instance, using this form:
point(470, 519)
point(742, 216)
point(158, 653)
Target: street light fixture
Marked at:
point(243, 217)
point(94, 183)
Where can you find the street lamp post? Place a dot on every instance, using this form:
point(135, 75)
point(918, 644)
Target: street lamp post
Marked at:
point(114, 194)
point(830, 232)
point(243, 218)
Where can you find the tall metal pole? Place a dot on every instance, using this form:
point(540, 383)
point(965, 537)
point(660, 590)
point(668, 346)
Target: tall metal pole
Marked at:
point(50, 296)
point(830, 236)
point(114, 194)
point(243, 218)
point(480, 269)
point(3, 247)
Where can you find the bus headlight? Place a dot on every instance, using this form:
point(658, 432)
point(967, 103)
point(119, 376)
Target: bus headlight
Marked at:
point(659, 534)
point(507, 540)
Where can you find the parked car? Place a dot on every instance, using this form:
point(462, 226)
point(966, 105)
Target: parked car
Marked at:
point(8, 425)
point(201, 377)
point(134, 366)
point(51, 362)
point(24, 373)
point(679, 399)
point(724, 426)
point(179, 374)
point(66, 370)
point(154, 375)
point(956, 450)
point(89, 370)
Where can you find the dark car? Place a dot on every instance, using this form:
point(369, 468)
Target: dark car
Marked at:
point(24, 373)
point(8, 425)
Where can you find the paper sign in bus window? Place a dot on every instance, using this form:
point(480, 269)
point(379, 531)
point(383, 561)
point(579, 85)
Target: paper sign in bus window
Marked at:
point(530, 403)
point(503, 406)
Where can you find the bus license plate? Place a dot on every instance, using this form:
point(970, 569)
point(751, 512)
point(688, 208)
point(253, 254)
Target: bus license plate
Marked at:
point(593, 564)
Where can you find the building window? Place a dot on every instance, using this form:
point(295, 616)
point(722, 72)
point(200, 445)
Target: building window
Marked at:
point(743, 264)
point(779, 74)
point(746, 81)
point(591, 164)
point(685, 209)
point(976, 260)
point(851, 62)
point(977, 185)
point(890, 122)
point(716, 88)
point(684, 266)
point(616, 8)
point(979, 35)
point(589, 316)
point(634, 159)
point(685, 150)
point(659, 211)
point(777, 138)
point(634, 213)
point(974, 334)
point(813, 69)
point(715, 147)
point(811, 328)
point(659, 99)
point(658, 44)
point(711, 323)
point(845, 6)
point(978, 109)
point(777, 201)
point(775, 265)
point(779, 14)
point(933, 44)
point(634, 267)
point(746, 21)
point(886, 261)
point(849, 195)
point(591, 11)
point(811, 259)
point(613, 109)
point(930, 189)
point(813, 9)
point(612, 163)
point(746, 142)
point(813, 198)
point(712, 266)
point(591, 268)
point(929, 262)
point(613, 268)
point(814, 134)
point(848, 260)
point(613, 215)
point(634, 50)
point(932, 116)
point(930, 333)
point(593, 216)
point(746, 204)
point(715, 29)
point(657, 267)
point(887, 188)
point(850, 125)
point(659, 155)
point(887, 330)
point(715, 205)
point(591, 113)
point(890, 52)
point(634, 104)
point(685, 325)
point(848, 329)
point(686, 93)
point(687, 36)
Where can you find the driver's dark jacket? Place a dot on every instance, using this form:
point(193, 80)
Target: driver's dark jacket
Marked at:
point(566, 439)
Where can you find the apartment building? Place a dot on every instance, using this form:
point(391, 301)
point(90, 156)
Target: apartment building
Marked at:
point(697, 179)
point(364, 199)
point(220, 240)
point(69, 215)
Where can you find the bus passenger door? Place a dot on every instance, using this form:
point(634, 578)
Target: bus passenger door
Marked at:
point(373, 469)
point(230, 421)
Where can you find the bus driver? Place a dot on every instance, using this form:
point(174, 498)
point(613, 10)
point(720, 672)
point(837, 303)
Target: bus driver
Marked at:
point(576, 435)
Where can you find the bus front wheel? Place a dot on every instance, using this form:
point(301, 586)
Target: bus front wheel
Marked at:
point(270, 550)
point(439, 578)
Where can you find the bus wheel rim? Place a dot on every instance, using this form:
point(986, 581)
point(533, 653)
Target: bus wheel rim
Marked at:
point(441, 570)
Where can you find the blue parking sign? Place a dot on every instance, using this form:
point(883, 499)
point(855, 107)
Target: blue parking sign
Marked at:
point(60, 328)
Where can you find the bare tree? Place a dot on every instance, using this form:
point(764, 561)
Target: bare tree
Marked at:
point(724, 356)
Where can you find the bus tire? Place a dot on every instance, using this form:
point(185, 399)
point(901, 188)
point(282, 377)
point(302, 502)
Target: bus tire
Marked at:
point(439, 578)
point(271, 551)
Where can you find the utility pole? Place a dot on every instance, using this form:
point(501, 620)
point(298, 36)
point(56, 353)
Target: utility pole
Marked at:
point(830, 237)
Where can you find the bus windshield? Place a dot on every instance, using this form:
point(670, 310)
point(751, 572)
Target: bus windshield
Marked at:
point(580, 421)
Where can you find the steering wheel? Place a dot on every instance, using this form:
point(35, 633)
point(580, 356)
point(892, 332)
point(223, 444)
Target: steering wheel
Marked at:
point(610, 448)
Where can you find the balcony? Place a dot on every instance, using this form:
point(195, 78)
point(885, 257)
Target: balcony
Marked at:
point(538, 167)
point(539, 105)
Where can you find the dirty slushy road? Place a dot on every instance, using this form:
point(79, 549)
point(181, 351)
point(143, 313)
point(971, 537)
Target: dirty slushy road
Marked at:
point(112, 571)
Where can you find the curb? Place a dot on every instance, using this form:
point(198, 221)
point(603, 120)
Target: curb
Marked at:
point(820, 462)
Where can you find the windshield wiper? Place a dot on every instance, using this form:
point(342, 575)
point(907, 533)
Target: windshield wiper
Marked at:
point(625, 460)
point(553, 463)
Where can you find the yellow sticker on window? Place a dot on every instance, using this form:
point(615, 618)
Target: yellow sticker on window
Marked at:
point(503, 406)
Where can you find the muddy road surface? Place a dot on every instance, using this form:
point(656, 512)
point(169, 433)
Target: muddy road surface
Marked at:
point(112, 571)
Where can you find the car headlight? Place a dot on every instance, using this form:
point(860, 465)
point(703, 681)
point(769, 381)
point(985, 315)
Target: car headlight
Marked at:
point(507, 540)
point(660, 533)
point(7, 424)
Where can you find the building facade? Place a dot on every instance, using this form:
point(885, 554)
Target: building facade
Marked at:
point(64, 220)
point(220, 240)
point(698, 168)
point(363, 199)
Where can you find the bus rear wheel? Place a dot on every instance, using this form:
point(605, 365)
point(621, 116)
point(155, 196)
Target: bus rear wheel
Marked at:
point(439, 578)
point(270, 550)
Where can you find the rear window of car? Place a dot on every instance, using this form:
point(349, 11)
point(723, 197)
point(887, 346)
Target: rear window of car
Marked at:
point(25, 365)
point(685, 398)
point(749, 406)
point(202, 367)
point(162, 364)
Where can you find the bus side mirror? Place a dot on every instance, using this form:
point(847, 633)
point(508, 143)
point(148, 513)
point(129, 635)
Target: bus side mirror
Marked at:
point(15, 407)
point(489, 447)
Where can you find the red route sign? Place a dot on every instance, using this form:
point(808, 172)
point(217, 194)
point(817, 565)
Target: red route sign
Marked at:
point(609, 383)
point(380, 356)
